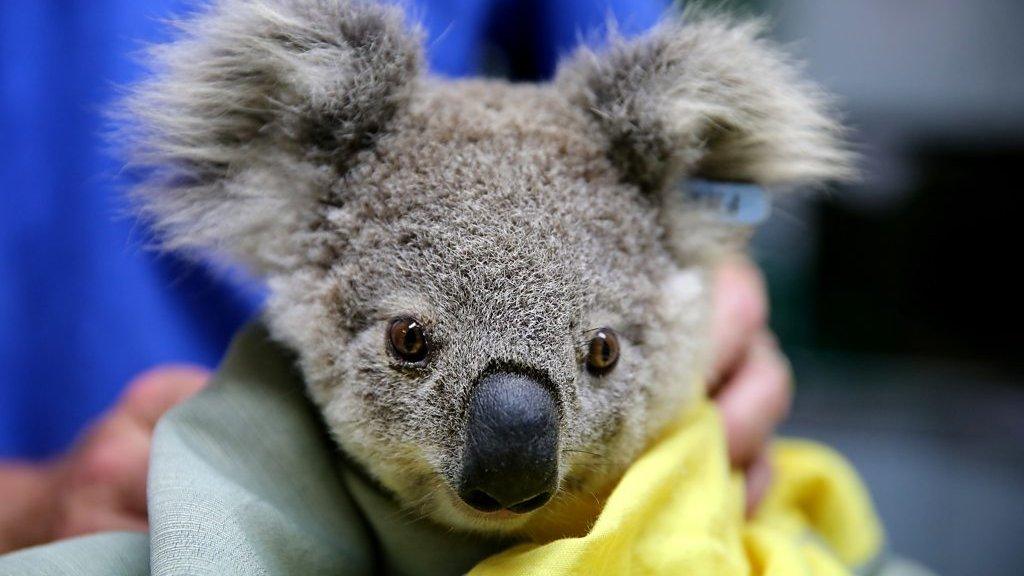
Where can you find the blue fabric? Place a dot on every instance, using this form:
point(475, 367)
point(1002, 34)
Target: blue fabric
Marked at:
point(83, 305)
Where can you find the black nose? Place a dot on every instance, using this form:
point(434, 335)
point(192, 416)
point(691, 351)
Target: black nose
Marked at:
point(511, 456)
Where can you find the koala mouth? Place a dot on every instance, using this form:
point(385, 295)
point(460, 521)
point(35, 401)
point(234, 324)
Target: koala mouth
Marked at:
point(510, 459)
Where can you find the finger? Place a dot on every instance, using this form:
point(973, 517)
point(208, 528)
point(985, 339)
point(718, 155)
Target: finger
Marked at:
point(756, 399)
point(739, 312)
point(113, 463)
point(155, 392)
point(758, 479)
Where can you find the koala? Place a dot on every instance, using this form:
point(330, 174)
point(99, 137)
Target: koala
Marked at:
point(496, 292)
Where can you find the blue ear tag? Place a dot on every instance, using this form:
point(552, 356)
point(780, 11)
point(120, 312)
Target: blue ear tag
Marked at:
point(735, 203)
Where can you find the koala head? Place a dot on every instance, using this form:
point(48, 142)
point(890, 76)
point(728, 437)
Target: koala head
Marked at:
point(495, 290)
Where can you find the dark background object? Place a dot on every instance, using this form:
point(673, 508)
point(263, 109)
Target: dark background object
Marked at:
point(931, 278)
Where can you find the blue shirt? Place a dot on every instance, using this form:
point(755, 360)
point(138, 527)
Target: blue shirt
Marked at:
point(84, 305)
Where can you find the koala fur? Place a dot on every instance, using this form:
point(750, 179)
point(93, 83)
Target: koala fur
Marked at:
point(303, 139)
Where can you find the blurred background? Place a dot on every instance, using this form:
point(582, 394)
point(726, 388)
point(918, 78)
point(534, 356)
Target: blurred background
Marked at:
point(898, 299)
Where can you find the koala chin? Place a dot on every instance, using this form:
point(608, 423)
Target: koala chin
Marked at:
point(496, 291)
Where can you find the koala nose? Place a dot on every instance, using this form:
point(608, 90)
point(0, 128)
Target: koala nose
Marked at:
point(510, 460)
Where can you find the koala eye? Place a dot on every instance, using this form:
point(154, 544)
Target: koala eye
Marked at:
point(408, 340)
point(604, 352)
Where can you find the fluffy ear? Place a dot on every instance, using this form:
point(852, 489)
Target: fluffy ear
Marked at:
point(701, 95)
point(252, 114)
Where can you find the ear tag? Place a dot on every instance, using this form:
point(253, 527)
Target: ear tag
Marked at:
point(736, 203)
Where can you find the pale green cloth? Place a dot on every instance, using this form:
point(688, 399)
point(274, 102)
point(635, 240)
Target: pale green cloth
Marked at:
point(113, 554)
point(244, 481)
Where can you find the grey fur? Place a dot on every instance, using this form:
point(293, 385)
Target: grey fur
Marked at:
point(253, 112)
point(511, 220)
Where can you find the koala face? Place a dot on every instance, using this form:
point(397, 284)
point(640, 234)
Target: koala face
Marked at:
point(495, 291)
point(490, 332)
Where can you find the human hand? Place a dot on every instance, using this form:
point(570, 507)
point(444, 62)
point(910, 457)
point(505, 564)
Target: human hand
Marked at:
point(751, 380)
point(100, 485)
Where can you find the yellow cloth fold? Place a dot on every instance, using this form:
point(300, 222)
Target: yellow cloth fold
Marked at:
point(679, 510)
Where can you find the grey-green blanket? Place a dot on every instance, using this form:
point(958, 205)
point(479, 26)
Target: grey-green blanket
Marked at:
point(244, 481)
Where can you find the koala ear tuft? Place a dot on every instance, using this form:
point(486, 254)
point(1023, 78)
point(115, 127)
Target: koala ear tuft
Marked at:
point(254, 111)
point(706, 96)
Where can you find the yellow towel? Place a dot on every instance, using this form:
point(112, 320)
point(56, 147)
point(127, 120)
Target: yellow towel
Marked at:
point(679, 510)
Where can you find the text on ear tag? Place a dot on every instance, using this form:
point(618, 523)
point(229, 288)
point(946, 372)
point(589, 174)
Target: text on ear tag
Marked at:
point(736, 203)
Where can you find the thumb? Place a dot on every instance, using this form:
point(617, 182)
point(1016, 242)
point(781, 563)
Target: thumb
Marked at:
point(155, 392)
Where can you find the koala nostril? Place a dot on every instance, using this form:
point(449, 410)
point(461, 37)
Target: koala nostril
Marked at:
point(531, 504)
point(481, 500)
